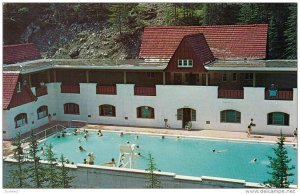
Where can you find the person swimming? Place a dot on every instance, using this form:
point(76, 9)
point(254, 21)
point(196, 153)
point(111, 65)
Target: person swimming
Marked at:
point(163, 137)
point(81, 148)
point(91, 158)
point(254, 160)
point(78, 140)
point(121, 134)
point(137, 137)
point(99, 133)
point(42, 151)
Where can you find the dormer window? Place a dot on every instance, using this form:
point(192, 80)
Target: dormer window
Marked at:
point(18, 87)
point(185, 63)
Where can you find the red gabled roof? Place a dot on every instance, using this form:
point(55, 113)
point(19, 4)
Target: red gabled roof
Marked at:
point(225, 41)
point(20, 52)
point(9, 85)
point(200, 47)
point(11, 98)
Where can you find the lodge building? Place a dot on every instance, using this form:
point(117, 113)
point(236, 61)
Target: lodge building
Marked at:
point(216, 77)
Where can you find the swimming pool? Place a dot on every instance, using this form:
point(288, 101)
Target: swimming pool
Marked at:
point(183, 156)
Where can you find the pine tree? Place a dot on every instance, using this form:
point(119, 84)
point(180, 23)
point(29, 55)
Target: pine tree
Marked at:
point(280, 166)
point(37, 170)
point(291, 33)
point(63, 175)
point(273, 40)
point(18, 175)
point(51, 170)
point(153, 181)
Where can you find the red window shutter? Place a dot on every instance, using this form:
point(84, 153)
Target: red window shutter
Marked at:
point(113, 111)
point(65, 108)
point(77, 109)
point(152, 112)
point(102, 110)
point(138, 111)
point(25, 116)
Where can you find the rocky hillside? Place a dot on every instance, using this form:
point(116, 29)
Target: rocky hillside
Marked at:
point(113, 30)
point(85, 40)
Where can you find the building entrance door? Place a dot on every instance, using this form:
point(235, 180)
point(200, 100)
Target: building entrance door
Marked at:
point(186, 116)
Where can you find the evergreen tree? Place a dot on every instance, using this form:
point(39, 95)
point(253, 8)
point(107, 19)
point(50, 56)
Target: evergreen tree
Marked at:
point(51, 171)
point(19, 174)
point(220, 13)
point(37, 170)
point(280, 166)
point(274, 43)
point(120, 15)
point(63, 175)
point(153, 181)
point(290, 33)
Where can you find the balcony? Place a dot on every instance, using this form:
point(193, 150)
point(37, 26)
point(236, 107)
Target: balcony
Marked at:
point(234, 94)
point(70, 89)
point(145, 91)
point(41, 91)
point(110, 90)
point(279, 95)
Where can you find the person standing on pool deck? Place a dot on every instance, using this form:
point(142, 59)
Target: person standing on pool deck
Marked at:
point(295, 134)
point(249, 131)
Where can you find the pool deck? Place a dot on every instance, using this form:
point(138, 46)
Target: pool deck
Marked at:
point(194, 133)
point(216, 134)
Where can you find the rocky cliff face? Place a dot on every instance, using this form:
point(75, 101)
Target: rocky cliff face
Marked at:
point(87, 40)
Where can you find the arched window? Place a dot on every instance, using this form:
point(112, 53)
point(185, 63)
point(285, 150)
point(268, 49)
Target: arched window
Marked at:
point(107, 110)
point(42, 112)
point(71, 108)
point(21, 120)
point(278, 118)
point(230, 116)
point(146, 112)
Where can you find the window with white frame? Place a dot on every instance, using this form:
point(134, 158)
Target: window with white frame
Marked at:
point(278, 118)
point(185, 63)
point(146, 112)
point(20, 120)
point(42, 112)
point(18, 87)
point(107, 110)
point(230, 116)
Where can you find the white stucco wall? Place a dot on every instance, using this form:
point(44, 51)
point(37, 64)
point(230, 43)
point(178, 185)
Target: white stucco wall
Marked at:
point(92, 176)
point(168, 99)
point(32, 118)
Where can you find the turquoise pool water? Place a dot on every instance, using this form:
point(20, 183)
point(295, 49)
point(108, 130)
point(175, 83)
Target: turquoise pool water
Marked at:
point(183, 156)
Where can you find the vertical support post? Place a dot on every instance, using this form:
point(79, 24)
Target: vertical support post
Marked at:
point(124, 77)
point(87, 75)
point(172, 77)
point(206, 79)
point(54, 76)
point(29, 80)
point(164, 78)
point(48, 76)
point(254, 80)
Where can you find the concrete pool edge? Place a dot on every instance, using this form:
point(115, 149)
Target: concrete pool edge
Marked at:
point(133, 177)
point(192, 136)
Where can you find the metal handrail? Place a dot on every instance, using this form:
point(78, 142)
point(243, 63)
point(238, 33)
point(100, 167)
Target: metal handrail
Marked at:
point(45, 132)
